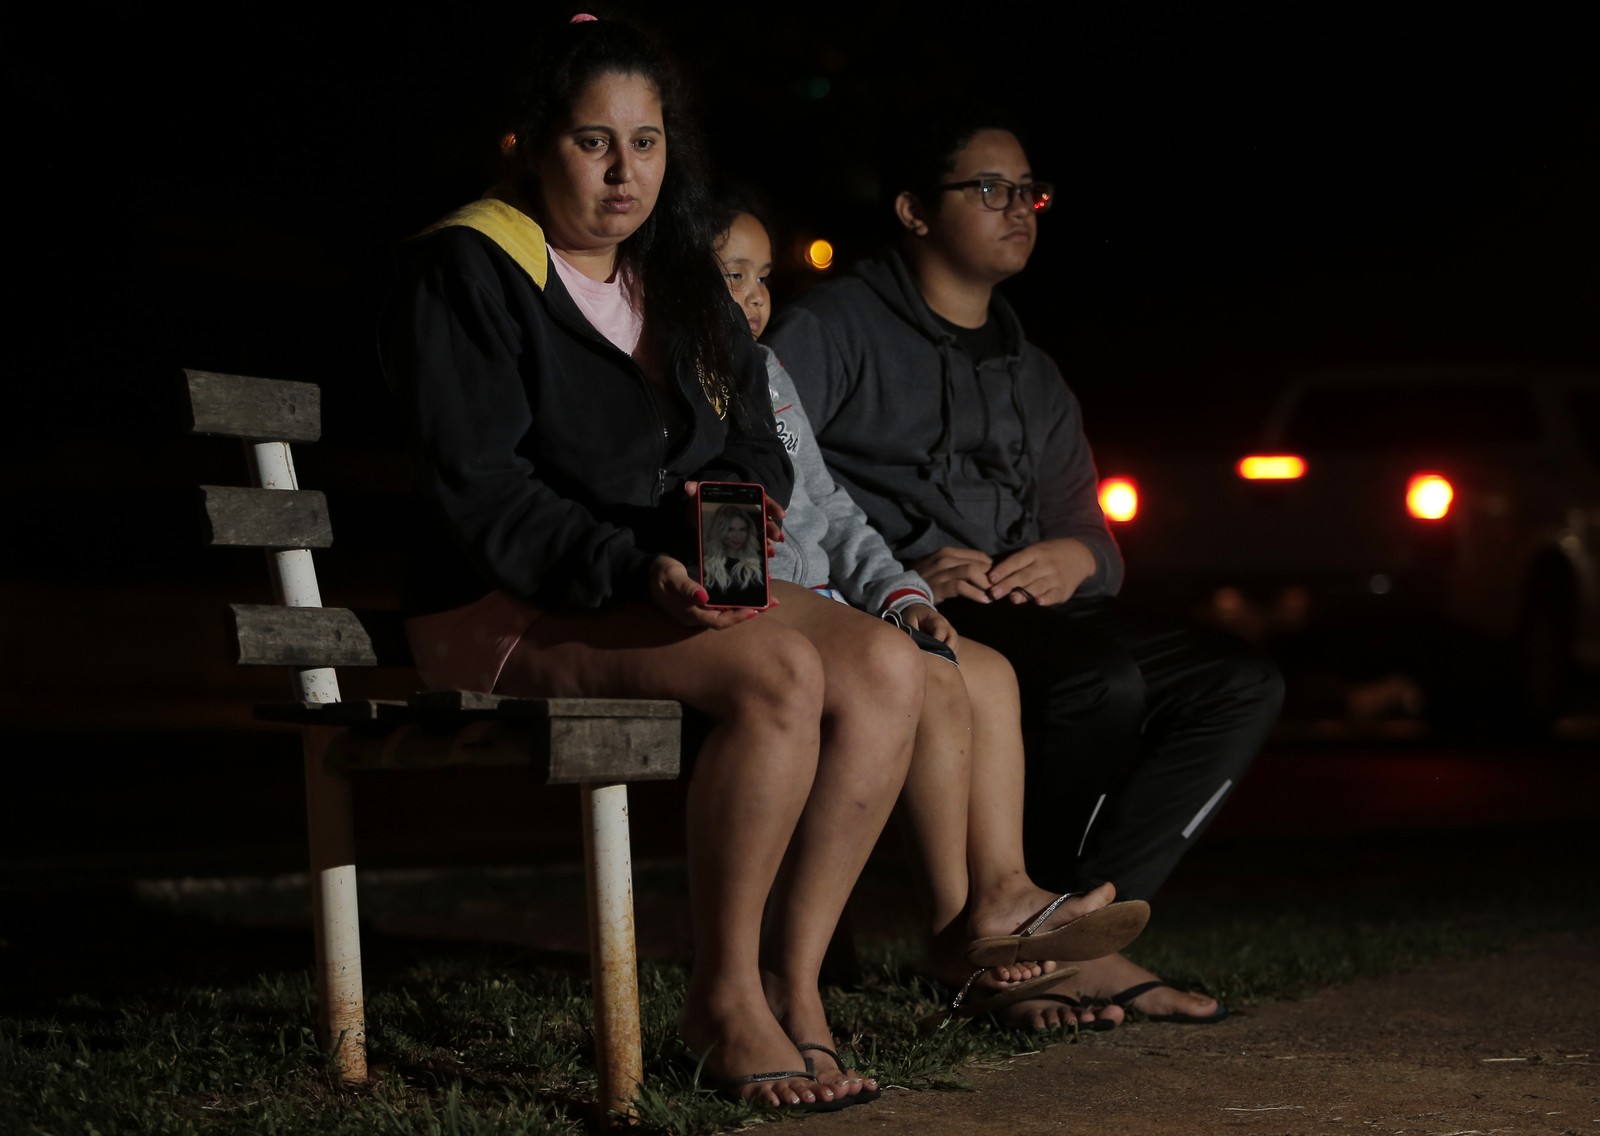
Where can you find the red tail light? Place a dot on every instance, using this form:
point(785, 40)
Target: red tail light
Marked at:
point(1428, 497)
point(1271, 467)
point(1119, 499)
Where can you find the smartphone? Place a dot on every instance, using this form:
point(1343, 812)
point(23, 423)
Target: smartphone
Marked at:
point(931, 645)
point(733, 544)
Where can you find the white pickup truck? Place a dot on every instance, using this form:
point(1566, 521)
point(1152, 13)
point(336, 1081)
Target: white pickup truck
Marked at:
point(1436, 529)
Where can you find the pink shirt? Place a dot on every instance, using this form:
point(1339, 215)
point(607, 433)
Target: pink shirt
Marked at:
point(604, 303)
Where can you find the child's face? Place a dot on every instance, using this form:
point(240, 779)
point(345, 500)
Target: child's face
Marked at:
point(746, 256)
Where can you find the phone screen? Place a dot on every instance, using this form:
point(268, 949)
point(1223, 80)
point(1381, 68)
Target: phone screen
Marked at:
point(733, 544)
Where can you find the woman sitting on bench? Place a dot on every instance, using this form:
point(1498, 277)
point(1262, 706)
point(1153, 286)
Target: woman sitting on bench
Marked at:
point(570, 368)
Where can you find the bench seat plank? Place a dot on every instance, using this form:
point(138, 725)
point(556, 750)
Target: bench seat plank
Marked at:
point(563, 740)
point(559, 751)
point(448, 702)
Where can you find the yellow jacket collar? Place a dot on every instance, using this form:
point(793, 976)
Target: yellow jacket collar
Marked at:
point(510, 228)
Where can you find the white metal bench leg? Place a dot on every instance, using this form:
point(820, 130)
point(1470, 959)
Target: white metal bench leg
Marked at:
point(334, 913)
point(613, 957)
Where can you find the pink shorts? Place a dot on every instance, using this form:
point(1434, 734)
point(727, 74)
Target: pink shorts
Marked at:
point(466, 648)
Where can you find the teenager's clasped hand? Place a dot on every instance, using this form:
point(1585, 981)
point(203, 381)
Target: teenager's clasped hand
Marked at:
point(1045, 573)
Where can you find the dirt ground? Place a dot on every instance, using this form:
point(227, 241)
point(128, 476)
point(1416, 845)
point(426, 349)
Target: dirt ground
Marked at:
point(1507, 1044)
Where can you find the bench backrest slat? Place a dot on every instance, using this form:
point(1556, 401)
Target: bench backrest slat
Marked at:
point(271, 636)
point(266, 518)
point(257, 410)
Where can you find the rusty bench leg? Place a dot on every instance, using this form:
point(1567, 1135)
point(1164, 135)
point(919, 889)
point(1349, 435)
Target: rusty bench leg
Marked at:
point(613, 957)
point(334, 913)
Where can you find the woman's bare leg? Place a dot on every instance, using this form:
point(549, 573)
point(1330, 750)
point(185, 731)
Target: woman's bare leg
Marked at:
point(874, 686)
point(761, 684)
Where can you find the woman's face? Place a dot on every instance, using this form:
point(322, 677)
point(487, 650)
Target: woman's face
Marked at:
point(600, 174)
point(978, 243)
point(735, 535)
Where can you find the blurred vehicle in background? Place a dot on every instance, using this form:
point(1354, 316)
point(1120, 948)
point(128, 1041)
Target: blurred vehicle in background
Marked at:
point(1406, 542)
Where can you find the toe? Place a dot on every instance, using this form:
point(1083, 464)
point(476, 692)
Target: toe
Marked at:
point(1057, 1017)
point(835, 1081)
point(1018, 972)
point(794, 1092)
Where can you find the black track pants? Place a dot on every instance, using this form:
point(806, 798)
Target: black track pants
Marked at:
point(1137, 727)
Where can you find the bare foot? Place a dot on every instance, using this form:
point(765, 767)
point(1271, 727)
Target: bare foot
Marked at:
point(1105, 977)
point(801, 1016)
point(1055, 1009)
point(1007, 912)
point(738, 1038)
point(1003, 911)
point(832, 1073)
point(945, 960)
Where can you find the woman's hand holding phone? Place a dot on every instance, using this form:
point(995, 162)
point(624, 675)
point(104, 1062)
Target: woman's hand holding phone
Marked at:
point(683, 600)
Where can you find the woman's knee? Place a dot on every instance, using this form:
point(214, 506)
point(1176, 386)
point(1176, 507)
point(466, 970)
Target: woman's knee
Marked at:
point(778, 677)
point(886, 670)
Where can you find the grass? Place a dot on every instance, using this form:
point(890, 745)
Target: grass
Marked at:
point(188, 1008)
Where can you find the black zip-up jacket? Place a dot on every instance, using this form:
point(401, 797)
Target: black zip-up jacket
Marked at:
point(540, 456)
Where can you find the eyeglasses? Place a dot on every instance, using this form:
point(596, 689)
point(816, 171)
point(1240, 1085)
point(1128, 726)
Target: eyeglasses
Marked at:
point(998, 193)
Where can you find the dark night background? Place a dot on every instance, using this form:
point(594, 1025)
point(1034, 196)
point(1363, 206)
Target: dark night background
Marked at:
point(1243, 191)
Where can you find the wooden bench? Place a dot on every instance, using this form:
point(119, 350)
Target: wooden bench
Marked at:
point(596, 744)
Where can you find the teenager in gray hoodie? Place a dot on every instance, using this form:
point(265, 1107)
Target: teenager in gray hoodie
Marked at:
point(961, 807)
point(966, 449)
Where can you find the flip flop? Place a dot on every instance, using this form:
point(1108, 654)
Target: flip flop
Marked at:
point(728, 1087)
point(1103, 931)
point(1126, 998)
point(961, 1006)
point(865, 1096)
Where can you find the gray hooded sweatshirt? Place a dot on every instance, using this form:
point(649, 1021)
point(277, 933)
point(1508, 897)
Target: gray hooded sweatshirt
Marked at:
point(939, 451)
point(827, 538)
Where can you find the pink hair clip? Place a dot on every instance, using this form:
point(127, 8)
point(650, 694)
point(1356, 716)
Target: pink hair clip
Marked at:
point(582, 18)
